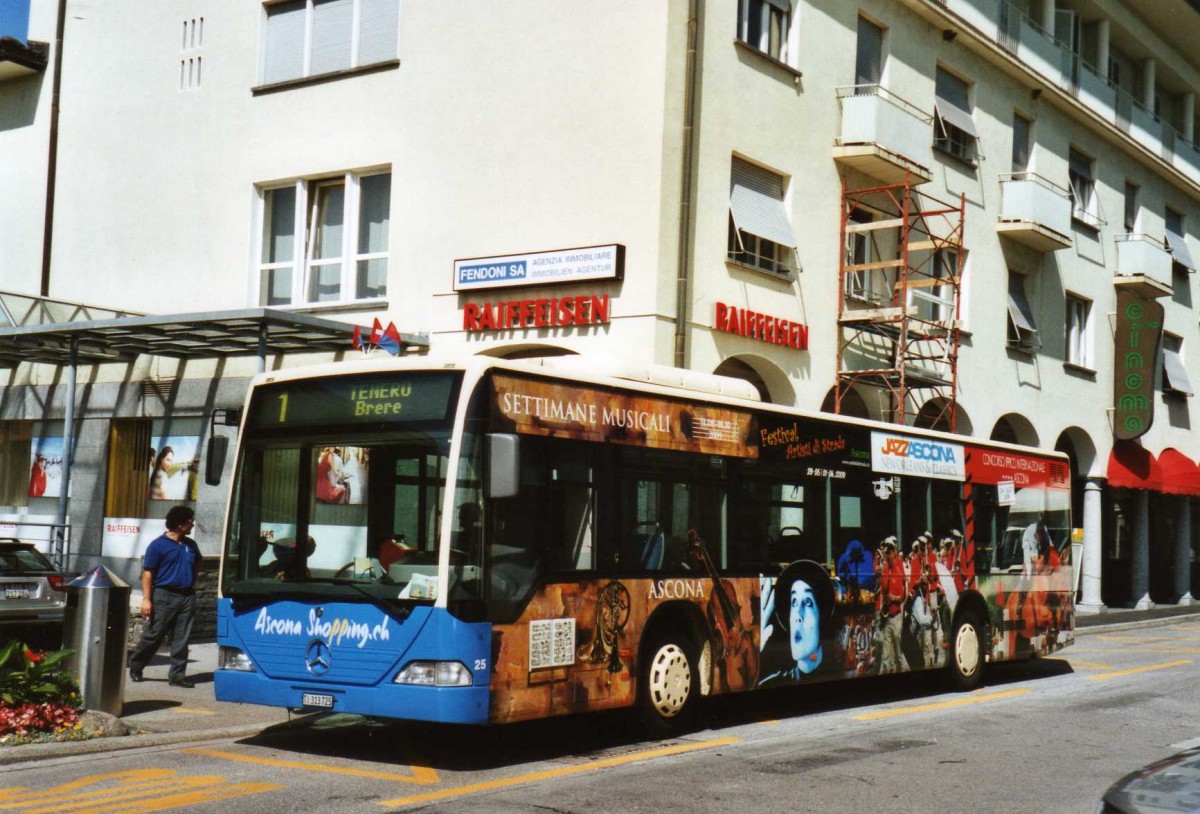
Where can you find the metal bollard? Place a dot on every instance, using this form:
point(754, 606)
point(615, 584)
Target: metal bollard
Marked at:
point(94, 626)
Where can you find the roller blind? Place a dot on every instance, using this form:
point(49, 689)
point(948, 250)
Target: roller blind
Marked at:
point(284, 57)
point(756, 201)
point(379, 22)
point(953, 104)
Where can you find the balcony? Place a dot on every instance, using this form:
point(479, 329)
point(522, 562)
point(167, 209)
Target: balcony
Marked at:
point(1143, 266)
point(1186, 159)
point(1035, 212)
point(884, 136)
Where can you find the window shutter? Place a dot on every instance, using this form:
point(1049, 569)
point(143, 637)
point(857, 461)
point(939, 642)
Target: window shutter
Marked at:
point(1018, 306)
point(284, 58)
point(868, 68)
point(756, 199)
point(333, 24)
point(1174, 373)
point(379, 23)
point(952, 102)
point(1080, 164)
point(1020, 151)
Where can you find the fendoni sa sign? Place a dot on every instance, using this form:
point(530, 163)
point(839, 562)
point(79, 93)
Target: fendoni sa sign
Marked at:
point(541, 268)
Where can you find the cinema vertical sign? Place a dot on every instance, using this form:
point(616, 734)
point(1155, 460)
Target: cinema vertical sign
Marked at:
point(1139, 335)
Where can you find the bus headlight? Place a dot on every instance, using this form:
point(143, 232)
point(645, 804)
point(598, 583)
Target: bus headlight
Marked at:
point(435, 674)
point(231, 658)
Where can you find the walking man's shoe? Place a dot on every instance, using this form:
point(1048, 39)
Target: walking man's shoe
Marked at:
point(136, 676)
point(184, 682)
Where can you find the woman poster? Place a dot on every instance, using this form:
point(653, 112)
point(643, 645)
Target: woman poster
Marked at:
point(174, 474)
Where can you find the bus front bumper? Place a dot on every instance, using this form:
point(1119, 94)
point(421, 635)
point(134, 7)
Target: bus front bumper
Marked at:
point(452, 705)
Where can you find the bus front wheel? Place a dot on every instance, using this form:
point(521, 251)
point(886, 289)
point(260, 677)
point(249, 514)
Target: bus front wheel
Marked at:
point(966, 651)
point(670, 683)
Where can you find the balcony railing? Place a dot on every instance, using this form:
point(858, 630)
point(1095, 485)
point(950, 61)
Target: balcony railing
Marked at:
point(1035, 211)
point(883, 134)
point(1144, 263)
point(1013, 30)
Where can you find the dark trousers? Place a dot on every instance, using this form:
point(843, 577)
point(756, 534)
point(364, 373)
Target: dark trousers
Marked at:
point(168, 611)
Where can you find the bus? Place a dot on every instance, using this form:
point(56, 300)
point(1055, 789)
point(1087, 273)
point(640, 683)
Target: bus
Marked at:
point(479, 540)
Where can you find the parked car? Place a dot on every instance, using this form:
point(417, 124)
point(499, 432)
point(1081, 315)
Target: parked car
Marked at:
point(1172, 784)
point(32, 596)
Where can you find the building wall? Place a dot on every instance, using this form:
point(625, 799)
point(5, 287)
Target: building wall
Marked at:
point(24, 145)
point(544, 125)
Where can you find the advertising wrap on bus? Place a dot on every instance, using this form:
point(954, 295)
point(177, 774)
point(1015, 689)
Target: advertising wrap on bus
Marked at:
point(507, 541)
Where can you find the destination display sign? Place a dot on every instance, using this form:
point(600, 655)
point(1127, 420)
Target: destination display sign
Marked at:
point(368, 399)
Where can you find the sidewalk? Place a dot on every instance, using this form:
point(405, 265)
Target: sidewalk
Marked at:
point(163, 714)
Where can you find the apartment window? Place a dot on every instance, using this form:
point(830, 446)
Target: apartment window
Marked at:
point(954, 127)
point(760, 233)
point(341, 253)
point(315, 37)
point(1078, 326)
point(1081, 174)
point(1022, 143)
point(933, 301)
point(764, 25)
point(1175, 380)
point(860, 250)
point(868, 59)
point(1022, 327)
point(1176, 241)
point(1133, 196)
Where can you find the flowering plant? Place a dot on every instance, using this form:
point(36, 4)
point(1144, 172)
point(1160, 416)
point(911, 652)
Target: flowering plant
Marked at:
point(37, 692)
point(30, 677)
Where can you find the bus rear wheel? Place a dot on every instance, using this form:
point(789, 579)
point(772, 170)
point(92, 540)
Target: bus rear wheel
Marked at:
point(966, 651)
point(669, 683)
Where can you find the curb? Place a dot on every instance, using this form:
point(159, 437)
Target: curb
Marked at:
point(27, 753)
point(1138, 625)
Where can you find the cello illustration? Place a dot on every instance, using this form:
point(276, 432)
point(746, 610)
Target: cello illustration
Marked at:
point(736, 654)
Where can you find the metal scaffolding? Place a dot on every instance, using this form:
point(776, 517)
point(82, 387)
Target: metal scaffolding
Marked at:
point(900, 280)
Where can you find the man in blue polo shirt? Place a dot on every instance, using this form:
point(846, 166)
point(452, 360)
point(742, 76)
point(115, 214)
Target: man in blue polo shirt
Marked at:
point(169, 570)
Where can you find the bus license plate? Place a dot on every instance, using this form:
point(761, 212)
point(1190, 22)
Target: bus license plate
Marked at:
point(309, 699)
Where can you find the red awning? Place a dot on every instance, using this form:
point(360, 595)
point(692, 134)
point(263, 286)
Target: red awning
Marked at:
point(1180, 475)
point(1133, 467)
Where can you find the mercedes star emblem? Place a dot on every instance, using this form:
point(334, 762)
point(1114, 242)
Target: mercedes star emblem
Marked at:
point(318, 658)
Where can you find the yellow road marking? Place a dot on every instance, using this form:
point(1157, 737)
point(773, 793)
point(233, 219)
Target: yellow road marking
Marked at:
point(1146, 669)
point(769, 722)
point(1168, 650)
point(193, 711)
point(957, 702)
point(1089, 665)
point(549, 774)
point(140, 791)
point(420, 774)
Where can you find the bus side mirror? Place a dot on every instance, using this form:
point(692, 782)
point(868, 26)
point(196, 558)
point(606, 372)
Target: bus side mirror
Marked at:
point(214, 464)
point(504, 465)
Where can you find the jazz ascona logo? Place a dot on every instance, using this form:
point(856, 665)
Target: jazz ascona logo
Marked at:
point(901, 455)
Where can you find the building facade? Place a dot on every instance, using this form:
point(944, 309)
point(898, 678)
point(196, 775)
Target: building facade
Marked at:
point(952, 213)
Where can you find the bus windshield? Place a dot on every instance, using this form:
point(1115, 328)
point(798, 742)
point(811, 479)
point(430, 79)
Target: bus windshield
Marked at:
point(338, 488)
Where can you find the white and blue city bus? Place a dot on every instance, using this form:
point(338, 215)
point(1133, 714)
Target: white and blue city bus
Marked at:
point(481, 541)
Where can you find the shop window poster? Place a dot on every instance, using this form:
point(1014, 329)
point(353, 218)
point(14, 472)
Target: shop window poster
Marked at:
point(174, 467)
point(342, 475)
point(45, 467)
